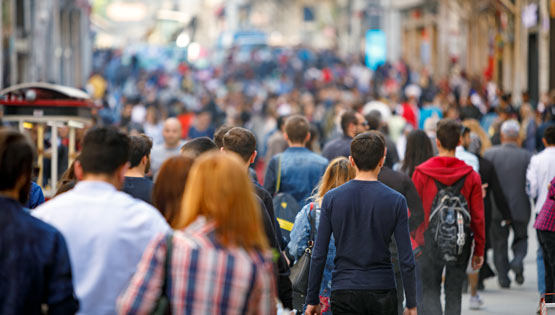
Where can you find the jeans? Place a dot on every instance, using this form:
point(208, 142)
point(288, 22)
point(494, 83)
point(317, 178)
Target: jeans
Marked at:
point(541, 267)
point(547, 242)
point(431, 275)
point(367, 302)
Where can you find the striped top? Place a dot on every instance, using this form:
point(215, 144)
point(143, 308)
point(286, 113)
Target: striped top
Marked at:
point(205, 277)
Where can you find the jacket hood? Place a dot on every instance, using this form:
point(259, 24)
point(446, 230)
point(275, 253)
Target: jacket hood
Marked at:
point(446, 170)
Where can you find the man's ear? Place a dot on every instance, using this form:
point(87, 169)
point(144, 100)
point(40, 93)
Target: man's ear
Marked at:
point(144, 160)
point(285, 136)
point(253, 157)
point(307, 138)
point(545, 144)
point(120, 172)
point(222, 149)
point(78, 170)
point(438, 143)
point(352, 160)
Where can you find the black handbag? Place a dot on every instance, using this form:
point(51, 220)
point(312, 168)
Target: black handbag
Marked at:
point(300, 270)
point(162, 306)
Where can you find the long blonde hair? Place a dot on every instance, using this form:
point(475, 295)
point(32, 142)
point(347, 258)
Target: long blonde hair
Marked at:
point(219, 189)
point(475, 127)
point(339, 172)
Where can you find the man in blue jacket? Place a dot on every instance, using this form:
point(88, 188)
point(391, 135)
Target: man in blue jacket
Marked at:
point(363, 215)
point(34, 260)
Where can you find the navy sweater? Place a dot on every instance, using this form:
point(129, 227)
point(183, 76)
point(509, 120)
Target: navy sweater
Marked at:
point(363, 215)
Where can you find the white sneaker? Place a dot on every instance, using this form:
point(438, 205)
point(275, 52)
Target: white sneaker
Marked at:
point(476, 302)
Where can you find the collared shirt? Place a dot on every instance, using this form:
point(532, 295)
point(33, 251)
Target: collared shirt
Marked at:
point(467, 157)
point(540, 171)
point(546, 218)
point(107, 232)
point(34, 264)
point(205, 277)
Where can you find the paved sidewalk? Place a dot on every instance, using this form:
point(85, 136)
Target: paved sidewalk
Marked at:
point(518, 300)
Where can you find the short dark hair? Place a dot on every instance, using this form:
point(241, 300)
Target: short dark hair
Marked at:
point(448, 133)
point(105, 149)
point(280, 121)
point(348, 117)
point(219, 135)
point(297, 128)
point(140, 147)
point(549, 135)
point(241, 141)
point(16, 160)
point(374, 119)
point(367, 149)
point(198, 146)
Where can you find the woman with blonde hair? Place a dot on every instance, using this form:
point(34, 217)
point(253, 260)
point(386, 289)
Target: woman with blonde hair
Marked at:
point(339, 172)
point(475, 127)
point(219, 255)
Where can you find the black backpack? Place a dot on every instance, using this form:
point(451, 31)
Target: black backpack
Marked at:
point(285, 207)
point(448, 235)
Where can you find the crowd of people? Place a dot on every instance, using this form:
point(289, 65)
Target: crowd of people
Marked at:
point(202, 191)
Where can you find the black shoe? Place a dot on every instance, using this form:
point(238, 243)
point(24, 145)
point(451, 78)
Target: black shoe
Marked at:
point(519, 278)
point(519, 275)
point(504, 284)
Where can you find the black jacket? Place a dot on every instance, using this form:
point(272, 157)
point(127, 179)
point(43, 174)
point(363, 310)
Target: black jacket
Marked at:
point(285, 290)
point(401, 183)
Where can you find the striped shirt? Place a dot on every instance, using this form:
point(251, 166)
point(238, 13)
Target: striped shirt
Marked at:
point(546, 218)
point(205, 277)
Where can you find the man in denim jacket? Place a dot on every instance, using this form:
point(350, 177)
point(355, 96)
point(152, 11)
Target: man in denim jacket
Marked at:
point(300, 168)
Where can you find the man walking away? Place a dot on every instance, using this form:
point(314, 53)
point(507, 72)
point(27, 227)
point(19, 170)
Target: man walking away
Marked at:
point(34, 259)
point(352, 124)
point(363, 215)
point(107, 230)
point(135, 182)
point(511, 163)
point(243, 142)
point(294, 173)
point(446, 233)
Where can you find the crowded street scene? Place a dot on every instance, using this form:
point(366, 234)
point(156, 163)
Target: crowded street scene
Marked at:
point(380, 157)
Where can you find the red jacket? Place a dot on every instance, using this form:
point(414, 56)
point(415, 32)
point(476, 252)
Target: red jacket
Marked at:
point(448, 170)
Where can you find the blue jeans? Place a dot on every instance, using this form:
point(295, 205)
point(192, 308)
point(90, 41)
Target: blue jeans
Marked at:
point(541, 268)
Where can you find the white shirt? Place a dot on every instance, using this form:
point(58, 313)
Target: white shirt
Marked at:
point(106, 233)
point(541, 171)
point(467, 157)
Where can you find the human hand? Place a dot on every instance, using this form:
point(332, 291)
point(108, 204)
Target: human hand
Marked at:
point(477, 262)
point(484, 188)
point(286, 258)
point(313, 310)
point(410, 311)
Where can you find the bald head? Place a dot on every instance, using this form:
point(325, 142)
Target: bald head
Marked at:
point(171, 132)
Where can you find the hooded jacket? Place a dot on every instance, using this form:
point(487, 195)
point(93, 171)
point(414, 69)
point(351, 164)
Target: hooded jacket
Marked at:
point(448, 170)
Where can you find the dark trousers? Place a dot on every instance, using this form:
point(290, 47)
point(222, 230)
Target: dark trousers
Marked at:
point(500, 244)
point(431, 275)
point(364, 302)
point(547, 243)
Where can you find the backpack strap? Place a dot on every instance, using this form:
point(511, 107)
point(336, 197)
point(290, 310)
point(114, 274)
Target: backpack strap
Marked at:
point(167, 263)
point(457, 186)
point(278, 180)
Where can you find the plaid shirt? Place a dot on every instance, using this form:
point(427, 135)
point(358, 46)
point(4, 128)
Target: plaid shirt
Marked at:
point(546, 219)
point(205, 277)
